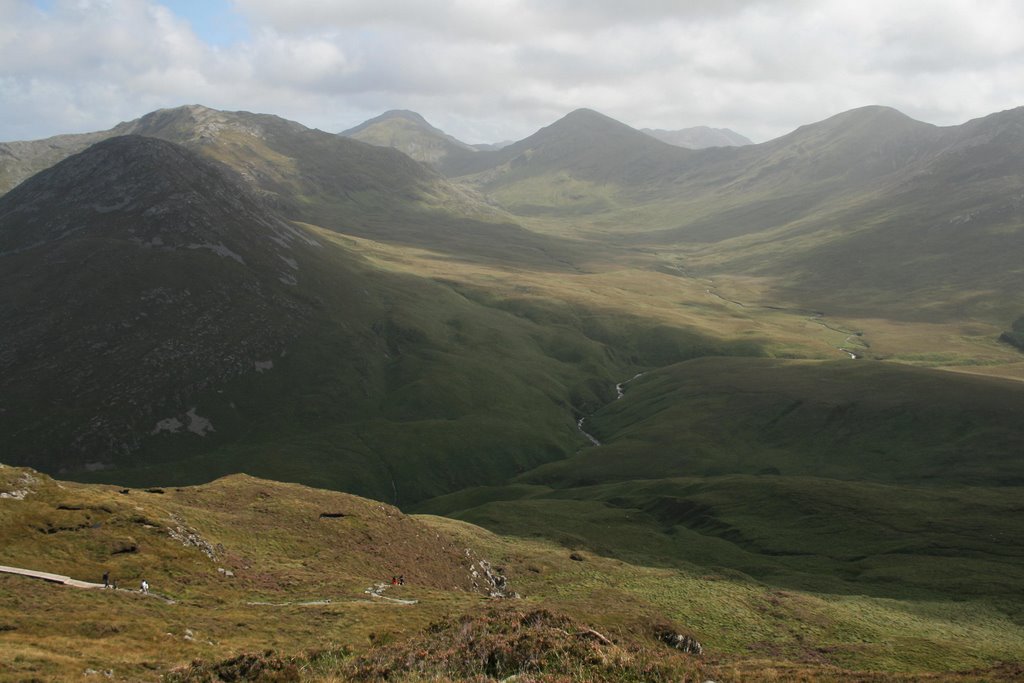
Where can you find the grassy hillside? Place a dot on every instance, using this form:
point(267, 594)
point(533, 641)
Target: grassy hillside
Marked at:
point(844, 477)
point(843, 420)
point(296, 562)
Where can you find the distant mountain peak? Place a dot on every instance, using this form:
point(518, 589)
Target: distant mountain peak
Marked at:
point(407, 114)
point(590, 117)
point(410, 133)
point(395, 115)
point(873, 112)
point(585, 112)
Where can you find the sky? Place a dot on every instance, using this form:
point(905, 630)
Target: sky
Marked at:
point(494, 70)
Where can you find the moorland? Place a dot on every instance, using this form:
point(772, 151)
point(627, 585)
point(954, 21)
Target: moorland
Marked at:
point(762, 397)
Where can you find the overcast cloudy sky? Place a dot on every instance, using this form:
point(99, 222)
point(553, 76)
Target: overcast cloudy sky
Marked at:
point(489, 70)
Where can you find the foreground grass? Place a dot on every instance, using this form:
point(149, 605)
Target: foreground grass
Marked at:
point(298, 581)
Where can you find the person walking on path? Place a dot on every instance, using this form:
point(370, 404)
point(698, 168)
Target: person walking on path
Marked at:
point(145, 587)
point(106, 579)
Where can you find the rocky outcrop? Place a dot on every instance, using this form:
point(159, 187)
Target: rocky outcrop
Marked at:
point(679, 641)
point(489, 579)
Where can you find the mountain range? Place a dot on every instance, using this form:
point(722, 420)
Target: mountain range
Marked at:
point(777, 365)
point(411, 134)
point(914, 220)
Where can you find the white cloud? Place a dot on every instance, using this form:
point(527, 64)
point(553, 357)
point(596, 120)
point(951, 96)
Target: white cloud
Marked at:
point(497, 69)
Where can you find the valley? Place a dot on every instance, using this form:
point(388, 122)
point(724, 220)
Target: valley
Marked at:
point(755, 392)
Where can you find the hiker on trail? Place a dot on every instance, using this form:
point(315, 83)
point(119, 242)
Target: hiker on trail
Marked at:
point(394, 580)
point(106, 579)
point(401, 580)
point(145, 586)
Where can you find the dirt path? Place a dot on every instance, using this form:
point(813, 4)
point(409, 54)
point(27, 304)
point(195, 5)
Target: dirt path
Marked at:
point(52, 578)
point(375, 591)
point(74, 583)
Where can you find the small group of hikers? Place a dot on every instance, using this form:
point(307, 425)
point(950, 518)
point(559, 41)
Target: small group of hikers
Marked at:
point(398, 580)
point(107, 583)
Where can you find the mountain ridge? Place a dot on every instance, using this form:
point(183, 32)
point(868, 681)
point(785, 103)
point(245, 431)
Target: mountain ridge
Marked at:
point(699, 137)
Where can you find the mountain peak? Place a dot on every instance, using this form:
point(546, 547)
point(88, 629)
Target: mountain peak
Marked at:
point(861, 129)
point(585, 143)
point(406, 114)
point(390, 116)
point(410, 133)
point(870, 120)
point(143, 189)
point(588, 118)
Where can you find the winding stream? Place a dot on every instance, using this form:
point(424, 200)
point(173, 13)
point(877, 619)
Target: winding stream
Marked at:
point(620, 391)
point(815, 317)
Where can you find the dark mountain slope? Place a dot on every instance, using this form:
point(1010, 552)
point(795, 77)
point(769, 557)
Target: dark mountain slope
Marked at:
point(135, 272)
point(160, 323)
point(863, 421)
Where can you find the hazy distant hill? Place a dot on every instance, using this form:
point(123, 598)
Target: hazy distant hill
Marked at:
point(586, 144)
point(699, 137)
point(23, 159)
point(493, 146)
point(409, 133)
point(910, 217)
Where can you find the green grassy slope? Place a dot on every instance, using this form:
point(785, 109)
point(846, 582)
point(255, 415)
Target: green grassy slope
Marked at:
point(844, 420)
point(845, 477)
point(204, 335)
point(407, 388)
point(293, 580)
